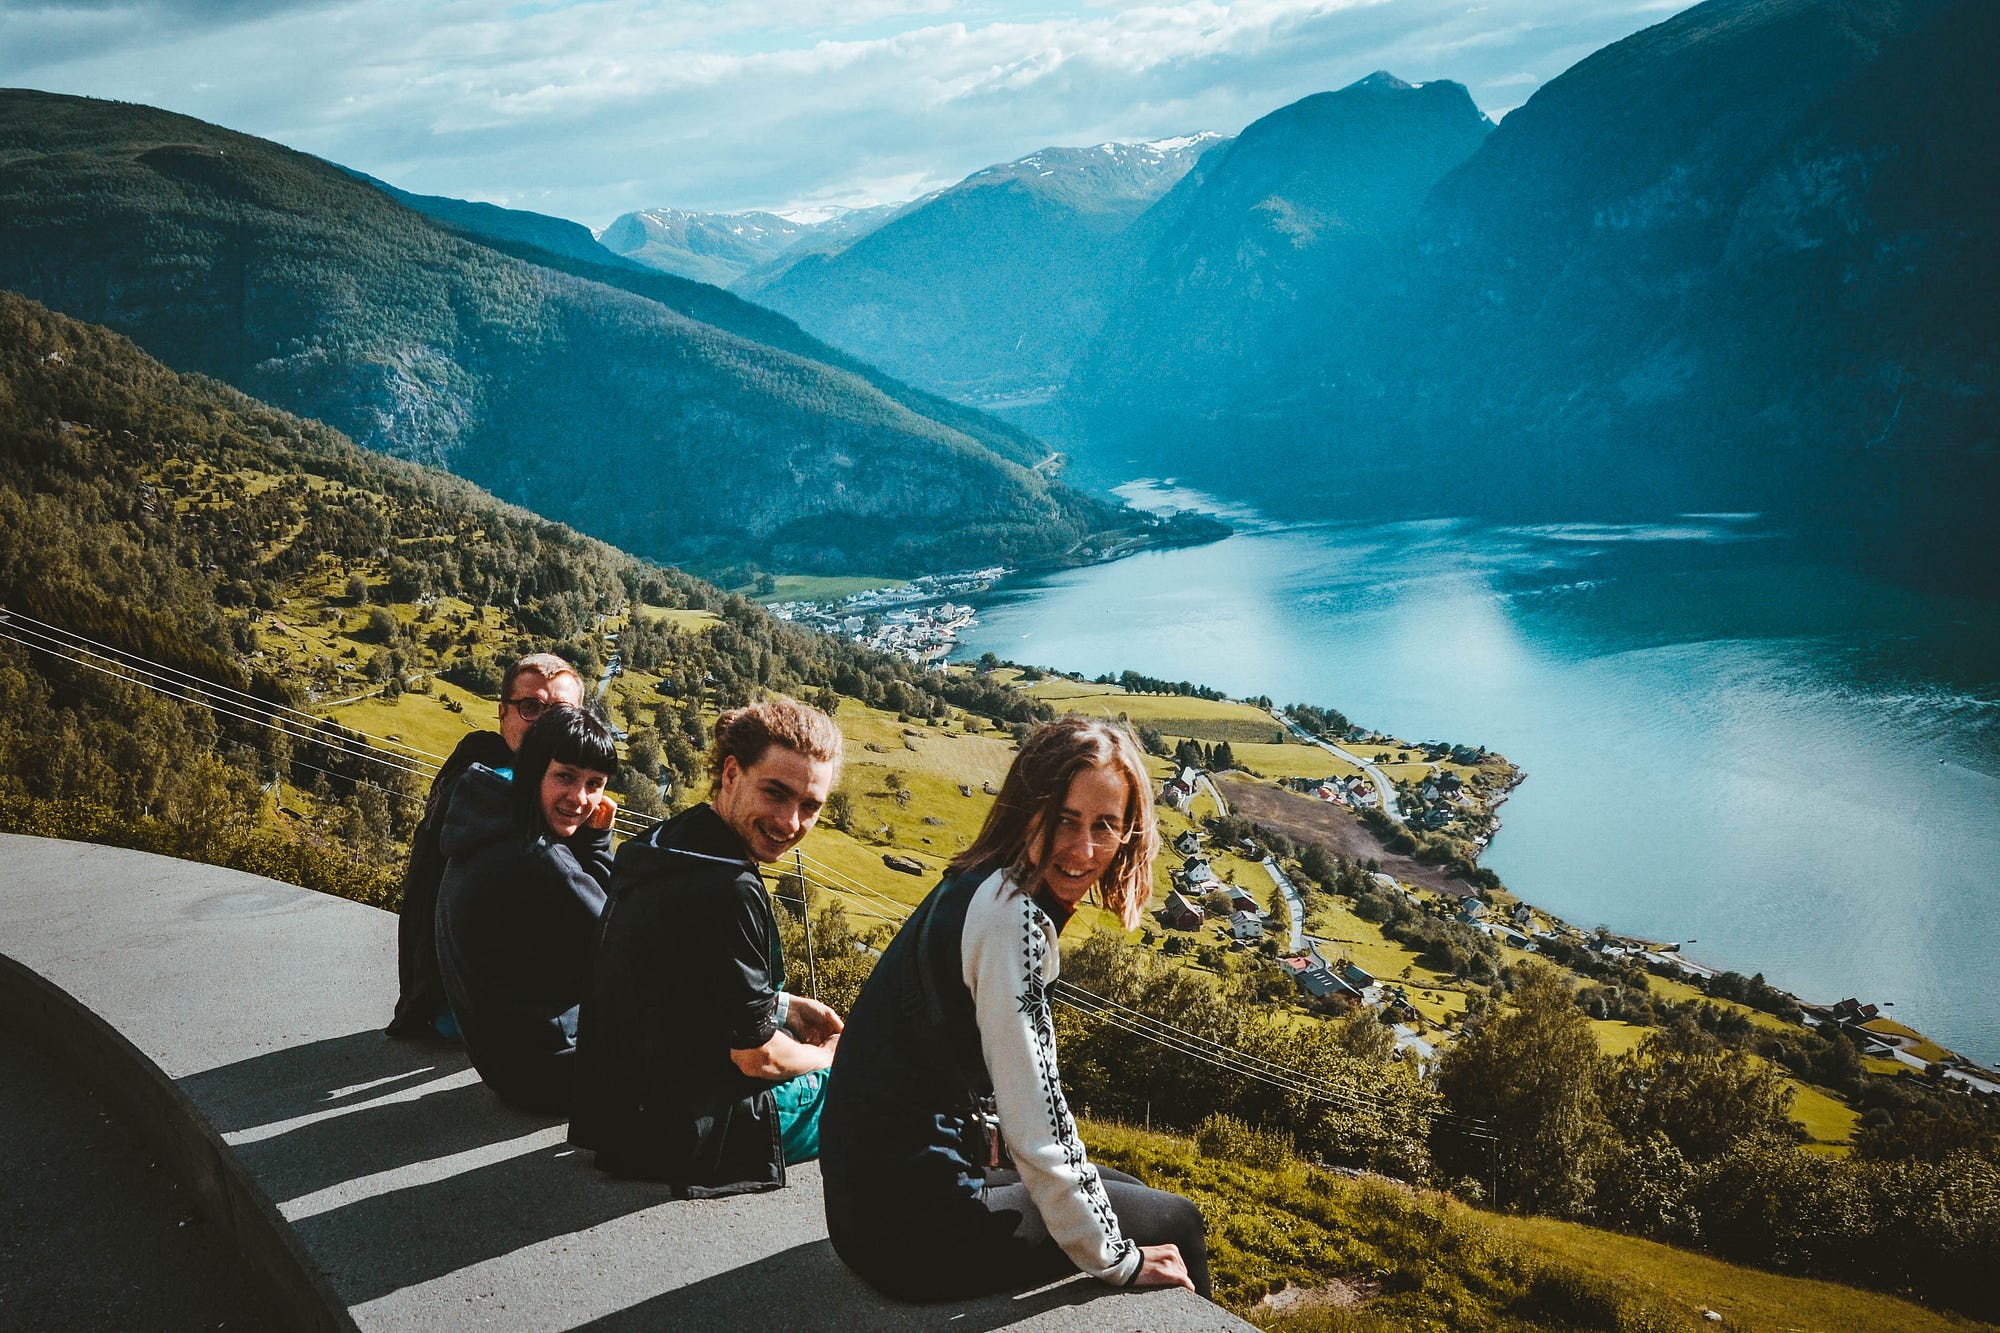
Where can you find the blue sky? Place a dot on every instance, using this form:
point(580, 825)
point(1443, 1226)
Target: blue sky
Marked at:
point(590, 108)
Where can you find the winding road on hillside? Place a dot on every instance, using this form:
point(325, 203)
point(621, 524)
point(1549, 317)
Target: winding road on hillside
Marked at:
point(1291, 896)
point(1385, 790)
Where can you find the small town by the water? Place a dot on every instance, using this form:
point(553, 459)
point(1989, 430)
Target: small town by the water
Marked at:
point(916, 620)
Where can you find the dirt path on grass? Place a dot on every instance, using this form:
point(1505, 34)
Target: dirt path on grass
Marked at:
point(1303, 819)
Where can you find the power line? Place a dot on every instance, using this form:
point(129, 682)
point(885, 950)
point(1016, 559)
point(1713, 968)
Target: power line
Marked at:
point(340, 739)
point(294, 760)
point(895, 905)
point(236, 704)
point(96, 648)
point(1219, 1054)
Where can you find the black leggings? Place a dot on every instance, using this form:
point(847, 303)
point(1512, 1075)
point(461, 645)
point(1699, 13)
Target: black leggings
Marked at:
point(1145, 1215)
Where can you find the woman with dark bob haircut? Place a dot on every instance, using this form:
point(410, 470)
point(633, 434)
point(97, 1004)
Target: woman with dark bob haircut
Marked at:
point(953, 1027)
point(527, 859)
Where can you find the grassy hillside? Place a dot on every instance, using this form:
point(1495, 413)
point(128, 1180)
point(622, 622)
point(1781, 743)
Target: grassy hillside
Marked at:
point(291, 592)
point(1301, 1249)
point(618, 409)
point(172, 517)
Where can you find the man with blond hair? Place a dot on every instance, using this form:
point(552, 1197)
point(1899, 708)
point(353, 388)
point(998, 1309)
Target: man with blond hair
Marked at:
point(532, 685)
point(694, 1066)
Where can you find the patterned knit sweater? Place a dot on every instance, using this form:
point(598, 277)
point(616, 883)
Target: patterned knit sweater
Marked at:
point(1010, 961)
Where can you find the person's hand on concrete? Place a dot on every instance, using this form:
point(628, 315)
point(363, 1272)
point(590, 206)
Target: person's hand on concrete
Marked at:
point(1162, 1266)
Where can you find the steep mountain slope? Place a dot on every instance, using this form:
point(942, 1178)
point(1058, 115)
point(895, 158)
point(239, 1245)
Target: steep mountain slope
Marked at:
point(733, 315)
point(491, 222)
point(286, 277)
point(1287, 230)
point(986, 290)
point(1744, 259)
point(1747, 253)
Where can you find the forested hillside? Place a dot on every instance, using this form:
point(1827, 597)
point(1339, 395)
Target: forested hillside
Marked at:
point(611, 410)
point(172, 517)
point(732, 314)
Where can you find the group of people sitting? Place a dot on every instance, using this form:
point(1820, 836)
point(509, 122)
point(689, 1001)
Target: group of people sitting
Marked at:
point(642, 995)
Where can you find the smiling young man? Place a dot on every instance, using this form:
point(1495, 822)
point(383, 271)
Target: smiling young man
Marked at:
point(695, 1067)
point(532, 685)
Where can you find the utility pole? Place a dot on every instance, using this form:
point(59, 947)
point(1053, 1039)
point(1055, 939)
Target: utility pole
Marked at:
point(805, 911)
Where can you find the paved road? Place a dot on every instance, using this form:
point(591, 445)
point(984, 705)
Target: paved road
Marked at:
point(1385, 790)
point(1214, 791)
point(1291, 893)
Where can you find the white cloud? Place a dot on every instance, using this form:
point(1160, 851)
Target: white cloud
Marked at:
point(589, 109)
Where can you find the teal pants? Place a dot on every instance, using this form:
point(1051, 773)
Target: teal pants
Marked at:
point(799, 1101)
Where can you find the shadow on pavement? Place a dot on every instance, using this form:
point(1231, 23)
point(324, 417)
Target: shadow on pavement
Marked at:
point(424, 1231)
point(298, 1080)
point(807, 1288)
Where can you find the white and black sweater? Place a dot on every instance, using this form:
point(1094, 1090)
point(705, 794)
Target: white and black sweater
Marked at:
point(1010, 960)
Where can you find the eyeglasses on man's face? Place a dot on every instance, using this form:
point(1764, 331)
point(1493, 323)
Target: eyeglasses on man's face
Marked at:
point(529, 707)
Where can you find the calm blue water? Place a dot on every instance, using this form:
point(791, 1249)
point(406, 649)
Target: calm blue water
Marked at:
point(1796, 767)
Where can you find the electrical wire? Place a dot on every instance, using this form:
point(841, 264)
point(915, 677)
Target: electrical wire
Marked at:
point(341, 741)
point(185, 687)
point(98, 648)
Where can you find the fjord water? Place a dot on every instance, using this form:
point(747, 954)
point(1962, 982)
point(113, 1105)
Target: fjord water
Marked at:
point(1725, 741)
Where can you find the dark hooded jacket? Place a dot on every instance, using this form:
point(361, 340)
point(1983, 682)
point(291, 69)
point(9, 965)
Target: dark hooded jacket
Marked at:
point(517, 918)
point(688, 969)
point(421, 998)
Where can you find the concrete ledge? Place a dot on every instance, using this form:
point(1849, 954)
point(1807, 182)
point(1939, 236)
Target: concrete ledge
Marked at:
point(49, 1019)
point(374, 1184)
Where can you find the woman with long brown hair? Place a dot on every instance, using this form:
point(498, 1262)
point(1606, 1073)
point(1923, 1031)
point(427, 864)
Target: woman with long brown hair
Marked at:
point(951, 1041)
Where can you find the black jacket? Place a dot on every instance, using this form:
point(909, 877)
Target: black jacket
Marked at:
point(517, 918)
point(422, 990)
point(688, 969)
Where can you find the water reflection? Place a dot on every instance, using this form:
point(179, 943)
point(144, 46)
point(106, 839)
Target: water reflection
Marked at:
point(1724, 741)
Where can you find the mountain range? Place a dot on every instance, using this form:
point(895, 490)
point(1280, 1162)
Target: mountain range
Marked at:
point(1741, 260)
point(1282, 234)
point(661, 414)
point(720, 248)
point(987, 290)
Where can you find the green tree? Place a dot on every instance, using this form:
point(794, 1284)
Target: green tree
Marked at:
point(1532, 1074)
point(1700, 1094)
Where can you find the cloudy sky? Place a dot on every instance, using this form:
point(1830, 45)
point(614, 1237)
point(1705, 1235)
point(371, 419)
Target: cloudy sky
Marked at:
point(589, 108)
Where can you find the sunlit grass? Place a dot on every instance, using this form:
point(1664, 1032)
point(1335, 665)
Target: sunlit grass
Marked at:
point(1829, 1120)
point(1915, 1043)
point(691, 621)
point(1207, 720)
point(823, 587)
point(1290, 760)
point(1668, 988)
point(419, 721)
point(1425, 1261)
